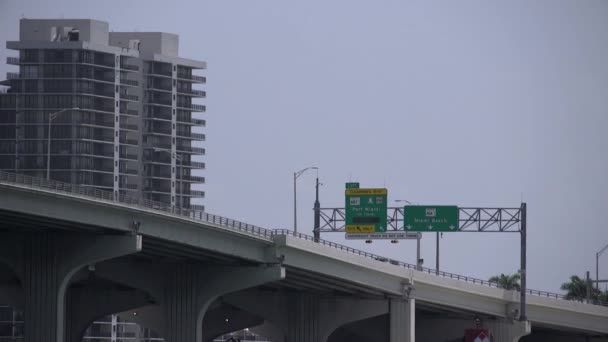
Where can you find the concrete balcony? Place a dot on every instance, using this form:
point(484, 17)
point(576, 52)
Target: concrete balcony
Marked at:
point(194, 193)
point(193, 93)
point(195, 179)
point(193, 107)
point(197, 165)
point(13, 60)
point(191, 136)
point(193, 150)
point(129, 97)
point(132, 83)
point(129, 67)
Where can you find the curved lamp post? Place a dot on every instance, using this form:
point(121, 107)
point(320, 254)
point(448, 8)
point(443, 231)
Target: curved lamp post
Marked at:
point(52, 117)
point(295, 210)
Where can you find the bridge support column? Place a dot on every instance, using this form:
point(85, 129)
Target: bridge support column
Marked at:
point(185, 291)
point(86, 304)
point(46, 263)
point(505, 331)
point(402, 320)
point(303, 318)
point(306, 317)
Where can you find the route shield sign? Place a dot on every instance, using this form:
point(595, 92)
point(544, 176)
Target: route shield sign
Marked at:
point(426, 218)
point(365, 210)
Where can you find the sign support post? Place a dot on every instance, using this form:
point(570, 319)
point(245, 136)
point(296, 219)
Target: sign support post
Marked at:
point(522, 299)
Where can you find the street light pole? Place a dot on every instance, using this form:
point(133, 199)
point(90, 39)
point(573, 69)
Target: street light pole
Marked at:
point(52, 117)
point(597, 266)
point(295, 209)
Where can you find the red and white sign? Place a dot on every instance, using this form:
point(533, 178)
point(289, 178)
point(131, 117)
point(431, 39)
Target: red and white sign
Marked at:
point(477, 335)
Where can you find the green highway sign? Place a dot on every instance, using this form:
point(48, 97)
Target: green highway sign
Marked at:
point(430, 218)
point(365, 210)
point(352, 185)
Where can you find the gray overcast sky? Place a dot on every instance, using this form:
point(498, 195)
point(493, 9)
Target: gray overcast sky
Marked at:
point(472, 103)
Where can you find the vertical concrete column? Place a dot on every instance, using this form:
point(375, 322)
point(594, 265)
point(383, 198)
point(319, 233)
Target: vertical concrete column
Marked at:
point(185, 291)
point(303, 318)
point(505, 331)
point(182, 304)
point(402, 320)
point(47, 264)
point(85, 304)
point(41, 282)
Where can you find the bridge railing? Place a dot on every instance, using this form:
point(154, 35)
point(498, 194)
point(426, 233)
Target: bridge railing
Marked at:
point(131, 200)
point(429, 270)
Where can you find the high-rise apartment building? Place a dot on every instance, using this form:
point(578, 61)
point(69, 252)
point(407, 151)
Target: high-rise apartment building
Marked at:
point(109, 110)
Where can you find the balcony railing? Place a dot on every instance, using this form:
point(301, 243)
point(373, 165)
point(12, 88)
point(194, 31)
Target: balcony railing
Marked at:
point(130, 127)
point(129, 82)
point(195, 179)
point(128, 171)
point(13, 60)
point(129, 97)
point(193, 92)
point(129, 67)
point(195, 193)
point(193, 107)
point(197, 165)
point(129, 141)
point(201, 79)
point(195, 150)
point(12, 75)
point(130, 112)
point(128, 156)
point(199, 136)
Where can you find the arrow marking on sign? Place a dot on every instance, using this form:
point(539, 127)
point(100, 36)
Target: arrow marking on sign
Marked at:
point(452, 227)
point(409, 226)
point(430, 227)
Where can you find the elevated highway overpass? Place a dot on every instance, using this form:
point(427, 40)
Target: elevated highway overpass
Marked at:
point(71, 254)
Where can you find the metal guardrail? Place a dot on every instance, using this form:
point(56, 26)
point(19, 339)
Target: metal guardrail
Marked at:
point(108, 196)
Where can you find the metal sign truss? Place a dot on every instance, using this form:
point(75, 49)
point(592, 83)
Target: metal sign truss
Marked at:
point(507, 220)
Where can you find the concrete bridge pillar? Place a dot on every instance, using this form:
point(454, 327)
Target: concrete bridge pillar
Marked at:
point(303, 318)
point(45, 264)
point(402, 320)
point(87, 303)
point(185, 291)
point(306, 317)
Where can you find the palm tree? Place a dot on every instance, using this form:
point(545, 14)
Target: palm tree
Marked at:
point(506, 281)
point(577, 289)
